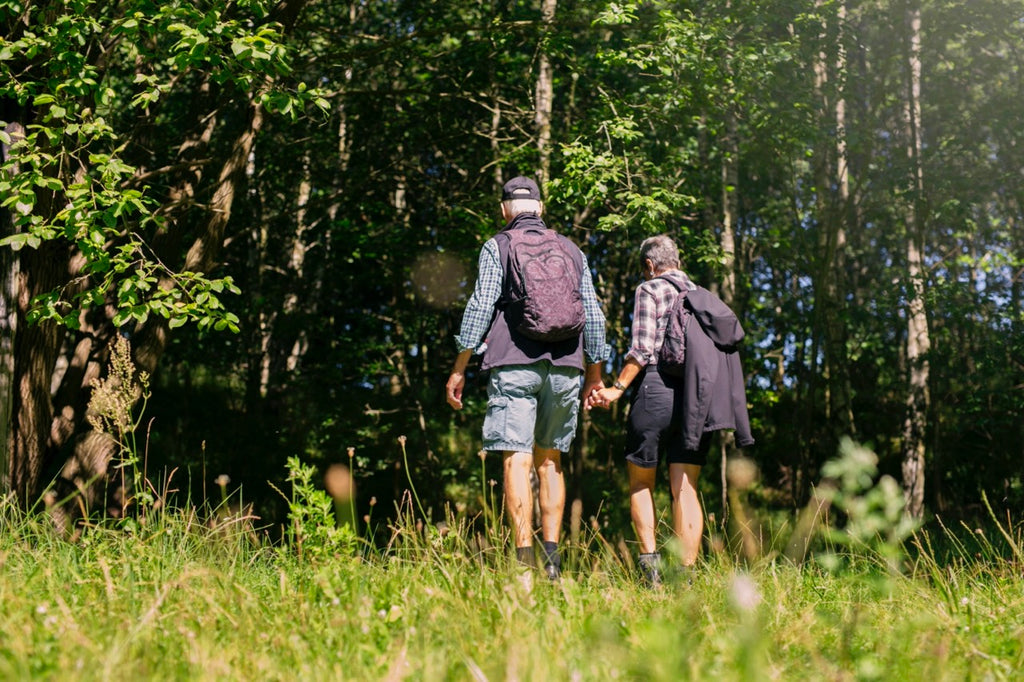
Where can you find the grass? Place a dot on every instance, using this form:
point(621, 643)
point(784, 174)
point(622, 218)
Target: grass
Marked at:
point(176, 593)
point(177, 598)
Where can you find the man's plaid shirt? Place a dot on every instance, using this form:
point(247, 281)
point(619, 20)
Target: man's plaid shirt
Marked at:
point(653, 300)
point(476, 320)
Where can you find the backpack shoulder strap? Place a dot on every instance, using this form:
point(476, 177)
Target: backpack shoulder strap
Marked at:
point(573, 251)
point(504, 241)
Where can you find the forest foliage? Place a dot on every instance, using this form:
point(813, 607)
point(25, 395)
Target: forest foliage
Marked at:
point(281, 206)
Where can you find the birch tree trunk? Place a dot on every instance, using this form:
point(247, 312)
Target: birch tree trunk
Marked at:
point(834, 213)
point(918, 341)
point(727, 242)
point(544, 94)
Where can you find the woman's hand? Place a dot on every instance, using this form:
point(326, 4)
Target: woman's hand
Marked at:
point(603, 397)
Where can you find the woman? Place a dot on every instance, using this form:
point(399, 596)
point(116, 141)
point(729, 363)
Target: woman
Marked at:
point(658, 418)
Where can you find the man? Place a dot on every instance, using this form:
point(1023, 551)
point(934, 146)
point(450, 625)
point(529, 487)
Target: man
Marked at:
point(533, 396)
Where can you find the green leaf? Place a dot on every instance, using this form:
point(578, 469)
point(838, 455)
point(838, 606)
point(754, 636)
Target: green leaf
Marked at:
point(16, 241)
point(52, 184)
point(121, 317)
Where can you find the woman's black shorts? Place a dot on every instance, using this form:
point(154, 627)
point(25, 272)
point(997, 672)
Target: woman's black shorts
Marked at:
point(655, 424)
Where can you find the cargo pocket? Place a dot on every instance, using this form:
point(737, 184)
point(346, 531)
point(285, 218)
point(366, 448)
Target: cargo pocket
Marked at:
point(495, 421)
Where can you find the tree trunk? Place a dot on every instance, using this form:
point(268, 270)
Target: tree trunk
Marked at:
point(35, 356)
point(544, 94)
point(34, 352)
point(8, 328)
point(918, 340)
point(727, 242)
point(9, 271)
point(834, 212)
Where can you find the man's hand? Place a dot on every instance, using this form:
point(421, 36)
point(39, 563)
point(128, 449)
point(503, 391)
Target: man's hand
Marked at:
point(457, 380)
point(593, 380)
point(453, 389)
point(590, 388)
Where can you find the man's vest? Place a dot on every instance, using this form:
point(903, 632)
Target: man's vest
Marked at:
point(506, 346)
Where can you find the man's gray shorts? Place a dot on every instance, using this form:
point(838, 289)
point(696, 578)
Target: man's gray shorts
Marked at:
point(532, 404)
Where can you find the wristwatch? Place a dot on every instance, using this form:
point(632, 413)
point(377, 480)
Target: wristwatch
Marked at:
point(619, 385)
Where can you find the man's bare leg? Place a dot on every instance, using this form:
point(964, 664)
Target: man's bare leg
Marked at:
point(552, 492)
point(687, 515)
point(552, 505)
point(519, 499)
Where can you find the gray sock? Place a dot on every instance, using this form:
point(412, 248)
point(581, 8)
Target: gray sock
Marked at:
point(650, 560)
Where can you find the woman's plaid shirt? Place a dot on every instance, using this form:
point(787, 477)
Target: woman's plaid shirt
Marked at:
point(653, 300)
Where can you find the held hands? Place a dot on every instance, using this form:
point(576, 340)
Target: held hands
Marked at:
point(602, 397)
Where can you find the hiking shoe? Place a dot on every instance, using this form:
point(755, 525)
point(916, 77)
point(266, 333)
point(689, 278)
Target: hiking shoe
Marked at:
point(650, 566)
point(652, 577)
point(526, 557)
point(552, 572)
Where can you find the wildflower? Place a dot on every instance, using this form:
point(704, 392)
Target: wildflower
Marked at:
point(339, 483)
point(743, 593)
point(741, 472)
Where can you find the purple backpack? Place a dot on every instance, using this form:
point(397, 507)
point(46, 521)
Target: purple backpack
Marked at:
point(542, 298)
point(672, 356)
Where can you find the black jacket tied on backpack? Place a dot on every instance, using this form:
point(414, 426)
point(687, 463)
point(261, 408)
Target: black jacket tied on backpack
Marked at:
point(713, 388)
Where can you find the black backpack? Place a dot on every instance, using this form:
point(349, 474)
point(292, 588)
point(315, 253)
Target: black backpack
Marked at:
point(672, 356)
point(541, 297)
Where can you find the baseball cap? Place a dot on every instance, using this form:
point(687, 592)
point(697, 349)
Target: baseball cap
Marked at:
point(520, 187)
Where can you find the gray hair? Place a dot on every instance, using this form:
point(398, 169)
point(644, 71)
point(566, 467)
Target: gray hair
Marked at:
point(517, 206)
point(662, 251)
